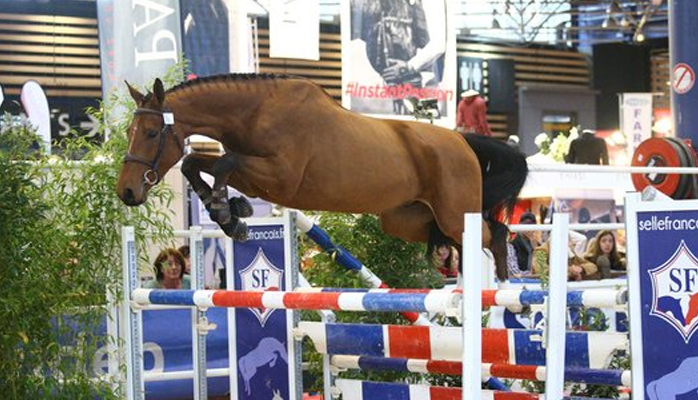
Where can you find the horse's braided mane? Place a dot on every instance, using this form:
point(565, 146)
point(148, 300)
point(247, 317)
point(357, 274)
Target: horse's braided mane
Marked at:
point(237, 77)
point(242, 77)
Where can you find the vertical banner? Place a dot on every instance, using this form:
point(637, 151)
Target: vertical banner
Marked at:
point(394, 51)
point(243, 57)
point(291, 20)
point(263, 350)
point(683, 53)
point(635, 119)
point(140, 40)
point(206, 36)
point(663, 272)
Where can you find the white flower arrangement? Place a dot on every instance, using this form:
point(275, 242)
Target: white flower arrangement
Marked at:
point(556, 148)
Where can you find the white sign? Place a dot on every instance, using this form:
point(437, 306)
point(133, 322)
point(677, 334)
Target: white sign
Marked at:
point(294, 29)
point(635, 119)
point(683, 78)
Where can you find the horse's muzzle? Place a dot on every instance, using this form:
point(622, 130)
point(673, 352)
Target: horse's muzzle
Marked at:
point(129, 198)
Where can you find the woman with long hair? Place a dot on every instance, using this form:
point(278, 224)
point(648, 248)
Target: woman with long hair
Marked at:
point(603, 251)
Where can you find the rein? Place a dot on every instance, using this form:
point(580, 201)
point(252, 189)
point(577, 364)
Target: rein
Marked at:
point(151, 176)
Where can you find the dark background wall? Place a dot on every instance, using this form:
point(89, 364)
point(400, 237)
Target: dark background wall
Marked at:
point(618, 68)
point(536, 100)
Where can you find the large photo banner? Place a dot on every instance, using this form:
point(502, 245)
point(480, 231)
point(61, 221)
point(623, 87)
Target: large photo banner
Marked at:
point(395, 53)
point(664, 298)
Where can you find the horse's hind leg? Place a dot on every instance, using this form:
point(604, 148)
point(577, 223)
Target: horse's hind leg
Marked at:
point(410, 222)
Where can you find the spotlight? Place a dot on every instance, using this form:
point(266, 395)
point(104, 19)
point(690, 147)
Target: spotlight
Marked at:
point(639, 36)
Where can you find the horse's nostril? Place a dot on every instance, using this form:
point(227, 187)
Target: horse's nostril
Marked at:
point(128, 196)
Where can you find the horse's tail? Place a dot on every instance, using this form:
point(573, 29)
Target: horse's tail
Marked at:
point(504, 170)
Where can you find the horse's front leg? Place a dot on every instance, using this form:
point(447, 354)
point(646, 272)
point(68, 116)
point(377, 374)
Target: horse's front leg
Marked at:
point(225, 213)
point(192, 167)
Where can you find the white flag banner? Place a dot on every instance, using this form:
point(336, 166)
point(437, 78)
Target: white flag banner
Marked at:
point(636, 119)
point(294, 29)
point(2, 96)
point(35, 104)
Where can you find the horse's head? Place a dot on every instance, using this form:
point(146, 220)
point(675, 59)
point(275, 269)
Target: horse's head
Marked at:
point(153, 146)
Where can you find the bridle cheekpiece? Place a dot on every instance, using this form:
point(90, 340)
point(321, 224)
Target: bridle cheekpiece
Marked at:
point(151, 176)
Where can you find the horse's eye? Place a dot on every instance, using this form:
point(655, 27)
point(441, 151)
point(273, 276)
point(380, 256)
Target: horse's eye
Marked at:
point(152, 133)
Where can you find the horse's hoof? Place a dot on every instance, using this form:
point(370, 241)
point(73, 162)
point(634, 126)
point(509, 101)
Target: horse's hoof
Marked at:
point(241, 207)
point(240, 232)
point(235, 230)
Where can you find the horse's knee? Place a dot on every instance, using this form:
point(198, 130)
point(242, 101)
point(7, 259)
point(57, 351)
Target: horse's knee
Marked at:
point(226, 165)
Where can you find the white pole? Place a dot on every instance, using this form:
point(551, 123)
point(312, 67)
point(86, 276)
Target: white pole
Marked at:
point(632, 201)
point(198, 317)
point(555, 329)
point(232, 343)
point(472, 307)
point(131, 319)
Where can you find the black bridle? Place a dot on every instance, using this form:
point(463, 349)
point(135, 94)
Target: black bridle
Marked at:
point(151, 176)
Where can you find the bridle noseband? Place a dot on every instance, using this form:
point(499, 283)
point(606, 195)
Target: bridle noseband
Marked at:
point(151, 176)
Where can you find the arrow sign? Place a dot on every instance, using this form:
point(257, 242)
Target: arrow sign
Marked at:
point(92, 125)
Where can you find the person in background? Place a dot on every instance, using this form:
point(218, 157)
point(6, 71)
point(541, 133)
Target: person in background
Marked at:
point(184, 250)
point(587, 149)
point(604, 253)
point(446, 260)
point(520, 249)
point(471, 116)
point(169, 271)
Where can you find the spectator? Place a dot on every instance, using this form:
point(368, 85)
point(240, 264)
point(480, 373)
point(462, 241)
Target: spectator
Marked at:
point(471, 116)
point(587, 149)
point(520, 249)
point(184, 250)
point(604, 253)
point(169, 271)
point(446, 260)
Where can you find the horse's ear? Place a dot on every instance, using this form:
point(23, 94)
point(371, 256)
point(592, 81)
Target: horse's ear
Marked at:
point(137, 96)
point(159, 90)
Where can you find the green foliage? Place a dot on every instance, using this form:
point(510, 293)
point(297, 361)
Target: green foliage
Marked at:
point(60, 259)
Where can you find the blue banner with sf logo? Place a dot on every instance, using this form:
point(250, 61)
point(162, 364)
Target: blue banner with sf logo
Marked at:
point(264, 349)
point(667, 245)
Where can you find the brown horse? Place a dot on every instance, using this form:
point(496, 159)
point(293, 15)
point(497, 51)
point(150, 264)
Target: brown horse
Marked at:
point(288, 142)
